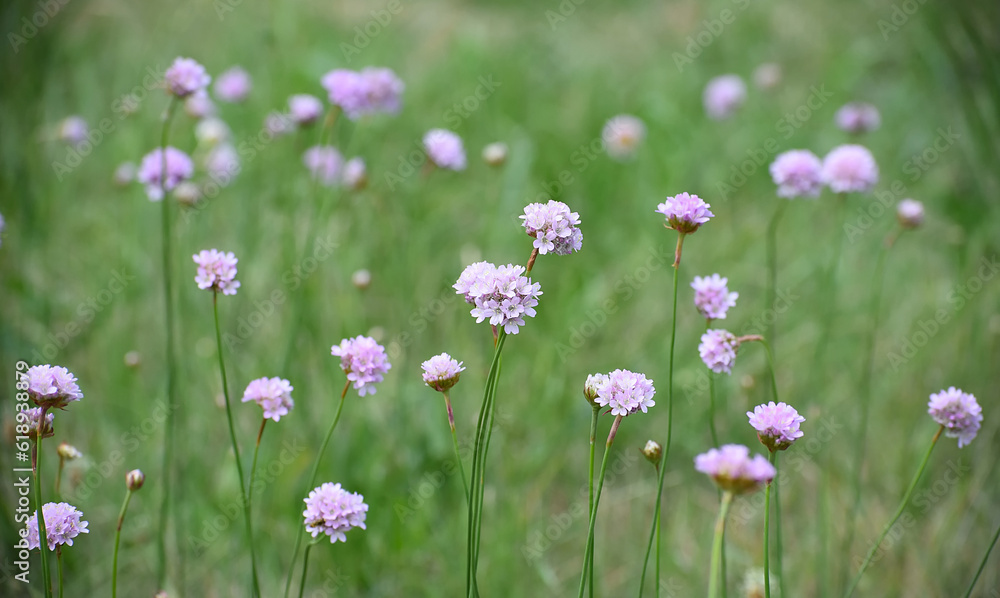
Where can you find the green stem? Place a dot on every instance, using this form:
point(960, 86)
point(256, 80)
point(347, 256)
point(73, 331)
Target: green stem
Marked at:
point(454, 441)
point(720, 530)
point(118, 537)
point(982, 565)
point(253, 472)
point(779, 553)
point(767, 532)
point(59, 475)
point(590, 487)
point(43, 544)
point(59, 569)
point(305, 568)
point(649, 545)
point(896, 515)
point(312, 484)
point(236, 447)
point(772, 267)
point(711, 397)
point(597, 502)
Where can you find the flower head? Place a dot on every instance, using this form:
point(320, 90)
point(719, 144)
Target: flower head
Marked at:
point(767, 75)
point(233, 85)
point(441, 372)
point(858, 117)
point(622, 136)
point(685, 213)
point(333, 511)
point(134, 479)
point(62, 524)
point(777, 425)
point(185, 77)
point(723, 96)
point(197, 105)
point(797, 173)
point(502, 294)
point(850, 168)
point(304, 109)
point(712, 296)
point(553, 227)
point(371, 91)
point(592, 387)
point(626, 392)
point(355, 175)
point(324, 163)
point(958, 412)
point(364, 361)
point(51, 386)
point(718, 350)
point(67, 451)
point(910, 213)
point(31, 420)
point(179, 168)
point(222, 163)
point(733, 470)
point(444, 149)
point(216, 271)
point(212, 131)
point(274, 395)
point(72, 129)
point(495, 154)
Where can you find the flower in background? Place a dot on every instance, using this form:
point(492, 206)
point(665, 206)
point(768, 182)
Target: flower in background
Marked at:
point(274, 395)
point(850, 168)
point(858, 117)
point(62, 523)
point(179, 168)
point(592, 387)
point(355, 174)
point(958, 412)
point(685, 213)
point(199, 105)
point(712, 296)
point(72, 129)
point(304, 109)
point(31, 419)
point(502, 294)
point(797, 173)
point(186, 77)
point(733, 470)
point(653, 452)
point(212, 131)
point(777, 425)
point(910, 213)
point(3, 225)
point(495, 154)
point(124, 174)
point(626, 392)
point(622, 136)
point(233, 85)
point(723, 96)
point(51, 386)
point(364, 361)
point(444, 149)
point(767, 76)
point(718, 350)
point(68, 451)
point(187, 193)
point(222, 163)
point(441, 372)
point(216, 271)
point(371, 91)
point(277, 124)
point(324, 163)
point(553, 227)
point(333, 511)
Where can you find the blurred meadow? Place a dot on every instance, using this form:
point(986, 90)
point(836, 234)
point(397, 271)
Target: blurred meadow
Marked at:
point(542, 78)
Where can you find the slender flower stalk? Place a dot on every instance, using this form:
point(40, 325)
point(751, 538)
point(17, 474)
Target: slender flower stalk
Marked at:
point(590, 487)
point(767, 530)
point(59, 569)
point(39, 511)
point(597, 502)
point(305, 568)
point(711, 399)
point(772, 267)
point(654, 453)
point(982, 565)
point(715, 576)
point(441, 373)
point(253, 472)
point(454, 441)
point(133, 481)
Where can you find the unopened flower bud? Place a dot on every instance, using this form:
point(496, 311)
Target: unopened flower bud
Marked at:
point(361, 279)
point(133, 359)
point(187, 193)
point(68, 451)
point(592, 387)
point(134, 479)
point(495, 154)
point(653, 452)
point(910, 213)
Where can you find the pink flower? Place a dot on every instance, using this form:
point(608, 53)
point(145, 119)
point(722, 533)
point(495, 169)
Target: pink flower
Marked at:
point(850, 169)
point(216, 271)
point(274, 395)
point(233, 85)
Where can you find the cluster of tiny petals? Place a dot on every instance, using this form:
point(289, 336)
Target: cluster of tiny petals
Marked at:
point(324, 163)
point(626, 392)
point(31, 419)
point(62, 523)
point(216, 271)
point(51, 386)
point(364, 361)
point(592, 387)
point(850, 169)
point(718, 350)
point(712, 296)
point(622, 136)
point(777, 425)
point(724, 95)
point(910, 213)
point(274, 395)
point(858, 117)
point(370, 91)
point(501, 294)
point(333, 511)
point(441, 372)
point(179, 168)
point(233, 85)
point(554, 227)
point(733, 470)
point(684, 212)
point(304, 109)
point(445, 149)
point(185, 77)
point(958, 412)
point(797, 173)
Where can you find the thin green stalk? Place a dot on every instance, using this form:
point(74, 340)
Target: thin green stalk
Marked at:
point(711, 399)
point(720, 531)
point(896, 515)
point(253, 472)
point(312, 484)
point(118, 537)
point(779, 549)
point(59, 569)
point(454, 440)
point(982, 565)
point(649, 548)
point(59, 475)
point(236, 447)
point(597, 502)
point(772, 267)
point(305, 568)
point(39, 511)
point(767, 531)
point(590, 487)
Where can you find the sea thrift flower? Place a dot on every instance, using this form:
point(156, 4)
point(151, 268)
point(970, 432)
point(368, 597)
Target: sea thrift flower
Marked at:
point(712, 296)
point(199, 105)
point(31, 419)
point(51, 386)
point(222, 163)
point(134, 480)
point(850, 168)
point(361, 279)
point(304, 109)
point(495, 154)
point(277, 123)
point(767, 75)
point(685, 213)
point(502, 294)
point(274, 395)
point(622, 136)
point(68, 451)
point(777, 425)
point(333, 511)
point(444, 149)
point(355, 175)
point(475, 280)
point(212, 131)
point(216, 271)
point(718, 350)
point(179, 168)
point(958, 412)
point(233, 85)
point(371, 91)
point(910, 213)
point(324, 163)
point(858, 117)
point(653, 452)
point(72, 129)
point(185, 77)
point(723, 96)
point(553, 227)
point(626, 392)
point(364, 361)
point(797, 173)
point(592, 387)
point(124, 174)
point(733, 470)
point(62, 524)
point(441, 372)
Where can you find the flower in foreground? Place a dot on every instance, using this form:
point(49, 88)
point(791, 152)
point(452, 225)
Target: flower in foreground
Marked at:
point(858, 117)
point(62, 524)
point(51, 386)
point(958, 412)
point(733, 470)
point(724, 95)
point(216, 271)
point(441, 372)
point(712, 296)
point(364, 361)
point(777, 425)
point(371, 91)
point(685, 213)
point(333, 511)
point(444, 149)
point(179, 168)
point(185, 77)
point(553, 226)
point(501, 294)
point(626, 392)
point(304, 109)
point(797, 173)
point(274, 395)
point(622, 136)
point(324, 163)
point(233, 85)
point(718, 350)
point(850, 168)
point(910, 213)
point(31, 420)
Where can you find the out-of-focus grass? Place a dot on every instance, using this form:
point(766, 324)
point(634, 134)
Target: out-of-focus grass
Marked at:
point(556, 84)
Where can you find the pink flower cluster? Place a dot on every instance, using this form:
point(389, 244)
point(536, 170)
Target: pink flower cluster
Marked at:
point(364, 361)
point(179, 168)
point(797, 173)
point(51, 386)
point(718, 350)
point(501, 294)
point(685, 213)
point(733, 470)
point(441, 372)
point(234, 85)
point(624, 391)
point(712, 296)
point(850, 169)
point(370, 91)
point(777, 425)
point(553, 227)
point(186, 77)
point(274, 395)
point(445, 149)
point(333, 511)
point(958, 412)
point(216, 271)
point(63, 522)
